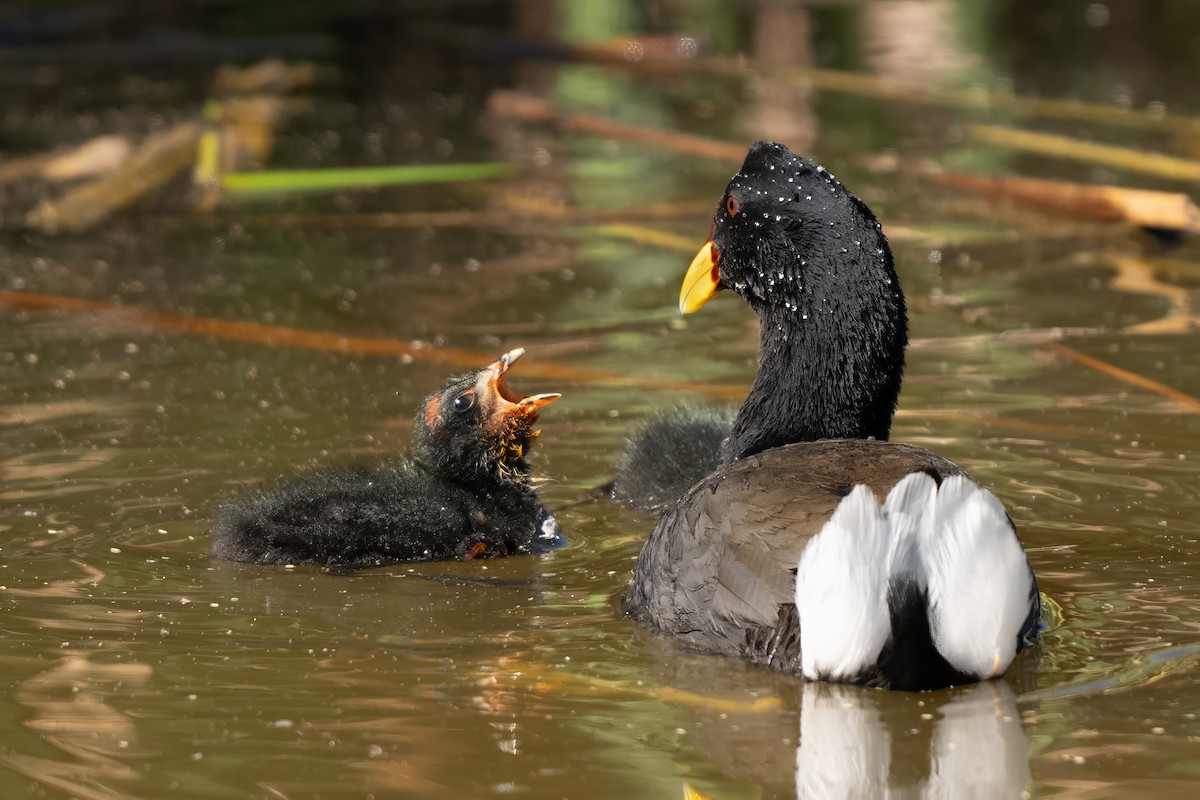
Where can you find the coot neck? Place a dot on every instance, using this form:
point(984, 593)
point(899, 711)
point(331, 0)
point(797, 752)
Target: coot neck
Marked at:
point(831, 357)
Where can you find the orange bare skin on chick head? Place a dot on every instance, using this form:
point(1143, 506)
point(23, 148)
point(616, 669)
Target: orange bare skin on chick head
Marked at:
point(433, 417)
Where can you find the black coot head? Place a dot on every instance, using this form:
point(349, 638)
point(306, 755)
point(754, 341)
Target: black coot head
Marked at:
point(476, 427)
point(812, 262)
point(783, 223)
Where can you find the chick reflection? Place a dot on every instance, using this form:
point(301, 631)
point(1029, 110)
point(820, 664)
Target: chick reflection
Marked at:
point(863, 743)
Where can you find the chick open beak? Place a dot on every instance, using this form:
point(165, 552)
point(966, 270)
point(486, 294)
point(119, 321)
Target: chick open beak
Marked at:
point(703, 279)
point(510, 402)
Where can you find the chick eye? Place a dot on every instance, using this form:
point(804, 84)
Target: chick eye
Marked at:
point(464, 402)
point(731, 205)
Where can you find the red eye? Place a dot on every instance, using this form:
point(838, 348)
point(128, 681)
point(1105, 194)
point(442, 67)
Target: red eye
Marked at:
point(731, 205)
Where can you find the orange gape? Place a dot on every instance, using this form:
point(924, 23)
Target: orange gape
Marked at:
point(477, 549)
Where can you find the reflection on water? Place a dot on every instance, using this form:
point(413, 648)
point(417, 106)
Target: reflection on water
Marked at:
point(42, 475)
point(68, 709)
point(137, 668)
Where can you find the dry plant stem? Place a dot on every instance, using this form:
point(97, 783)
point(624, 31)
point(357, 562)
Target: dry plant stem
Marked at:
point(274, 336)
point(1147, 209)
point(984, 100)
point(1056, 146)
point(331, 342)
point(877, 88)
point(669, 65)
point(556, 682)
point(19, 169)
point(526, 108)
point(683, 210)
point(1186, 400)
point(271, 76)
point(159, 159)
point(640, 234)
point(93, 157)
point(1150, 209)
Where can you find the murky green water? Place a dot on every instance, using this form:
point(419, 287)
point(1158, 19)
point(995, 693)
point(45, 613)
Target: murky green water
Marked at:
point(136, 668)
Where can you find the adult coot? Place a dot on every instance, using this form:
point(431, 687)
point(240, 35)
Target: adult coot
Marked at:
point(816, 546)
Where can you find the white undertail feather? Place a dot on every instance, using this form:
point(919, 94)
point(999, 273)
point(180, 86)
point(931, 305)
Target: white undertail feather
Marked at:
point(954, 541)
point(978, 579)
point(841, 591)
point(910, 506)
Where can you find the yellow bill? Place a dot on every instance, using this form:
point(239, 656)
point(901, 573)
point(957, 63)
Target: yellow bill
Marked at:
point(702, 280)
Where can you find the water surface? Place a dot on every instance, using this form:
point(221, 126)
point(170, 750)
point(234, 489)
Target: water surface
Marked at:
point(137, 668)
